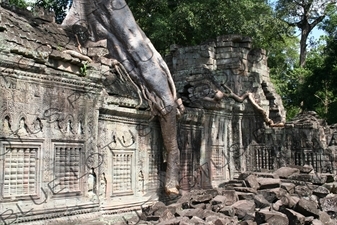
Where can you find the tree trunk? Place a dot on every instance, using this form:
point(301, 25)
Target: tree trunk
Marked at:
point(305, 30)
point(127, 43)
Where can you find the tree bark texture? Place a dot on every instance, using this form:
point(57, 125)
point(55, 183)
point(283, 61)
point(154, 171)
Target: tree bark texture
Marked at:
point(112, 20)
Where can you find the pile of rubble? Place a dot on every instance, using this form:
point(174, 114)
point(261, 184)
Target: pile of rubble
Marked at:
point(290, 195)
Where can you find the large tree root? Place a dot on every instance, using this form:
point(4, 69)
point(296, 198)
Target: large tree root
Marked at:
point(230, 94)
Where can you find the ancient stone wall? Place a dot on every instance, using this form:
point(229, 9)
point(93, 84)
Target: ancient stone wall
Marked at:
point(73, 145)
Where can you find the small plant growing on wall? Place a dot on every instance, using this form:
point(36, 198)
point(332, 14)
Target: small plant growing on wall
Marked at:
point(84, 69)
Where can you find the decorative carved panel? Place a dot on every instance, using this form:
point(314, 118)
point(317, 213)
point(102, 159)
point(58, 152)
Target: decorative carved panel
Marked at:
point(122, 172)
point(218, 163)
point(20, 171)
point(67, 168)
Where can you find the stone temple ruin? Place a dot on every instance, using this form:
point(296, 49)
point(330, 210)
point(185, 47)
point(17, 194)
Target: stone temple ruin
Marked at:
point(73, 145)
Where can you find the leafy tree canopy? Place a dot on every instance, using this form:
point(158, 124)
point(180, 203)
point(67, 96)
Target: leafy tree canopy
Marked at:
point(191, 22)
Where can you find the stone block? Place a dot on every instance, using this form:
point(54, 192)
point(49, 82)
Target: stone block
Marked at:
point(312, 178)
point(231, 197)
point(285, 172)
point(192, 212)
point(196, 220)
point(329, 203)
point(227, 210)
point(321, 192)
point(245, 196)
point(307, 208)
point(271, 217)
point(244, 208)
point(268, 183)
point(303, 169)
point(196, 199)
point(294, 218)
point(166, 215)
point(219, 199)
point(303, 190)
point(245, 189)
point(252, 182)
point(260, 201)
point(289, 187)
point(270, 195)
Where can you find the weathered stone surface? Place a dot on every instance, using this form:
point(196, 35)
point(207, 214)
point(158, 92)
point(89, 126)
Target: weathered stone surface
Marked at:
point(329, 203)
point(271, 217)
point(245, 189)
point(307, 208)
point(285, 172)
point(231, 196)
point(289, 200)
point(260, 201)
point(321, 192)
point(289, 187)
point(227, 210)
point(166, 215)
point(219, 199)
point(271, 195)
point(220, 221)
point(325, 218)
point(303, 169)
point(312, 178)
point(294, 218)
point(192, 212)
point(303, 190)
point(197, 220)
point(245, 196)
point(316, 222)
point(252, 182)
point(244, 208)
point(268, 183)
point(204, 198)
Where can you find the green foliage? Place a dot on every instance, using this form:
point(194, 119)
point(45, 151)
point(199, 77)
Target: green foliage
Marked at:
point(318, 90)
point(59, 7)
point(191, 22)
point(18, 3)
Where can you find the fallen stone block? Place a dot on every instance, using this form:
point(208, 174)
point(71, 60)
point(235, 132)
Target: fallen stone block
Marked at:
point(228, 211)
point(289, 187)
point(251, 181)
point(175, 221)
point(271, 217)
point(321, 192)
point(303, 169)
point(268, 183)
point(316, 222)
point(196, 199)
point(325, 218)
point(311, 178)
point(197, 220)
point(307, 208)
point(166, 215)
point(285, 172)
point(329, 203)
point(211, 213)
point(303, 190)
point(231, 197)
point(192, 212)
point(219, 199)
point(276, 206)
point(269, 194)
point(289, 201)
point(220, 221)
point(294, 217)
point(245, 196)
point(260, 201)
point(244, 208)
point(245, 189)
